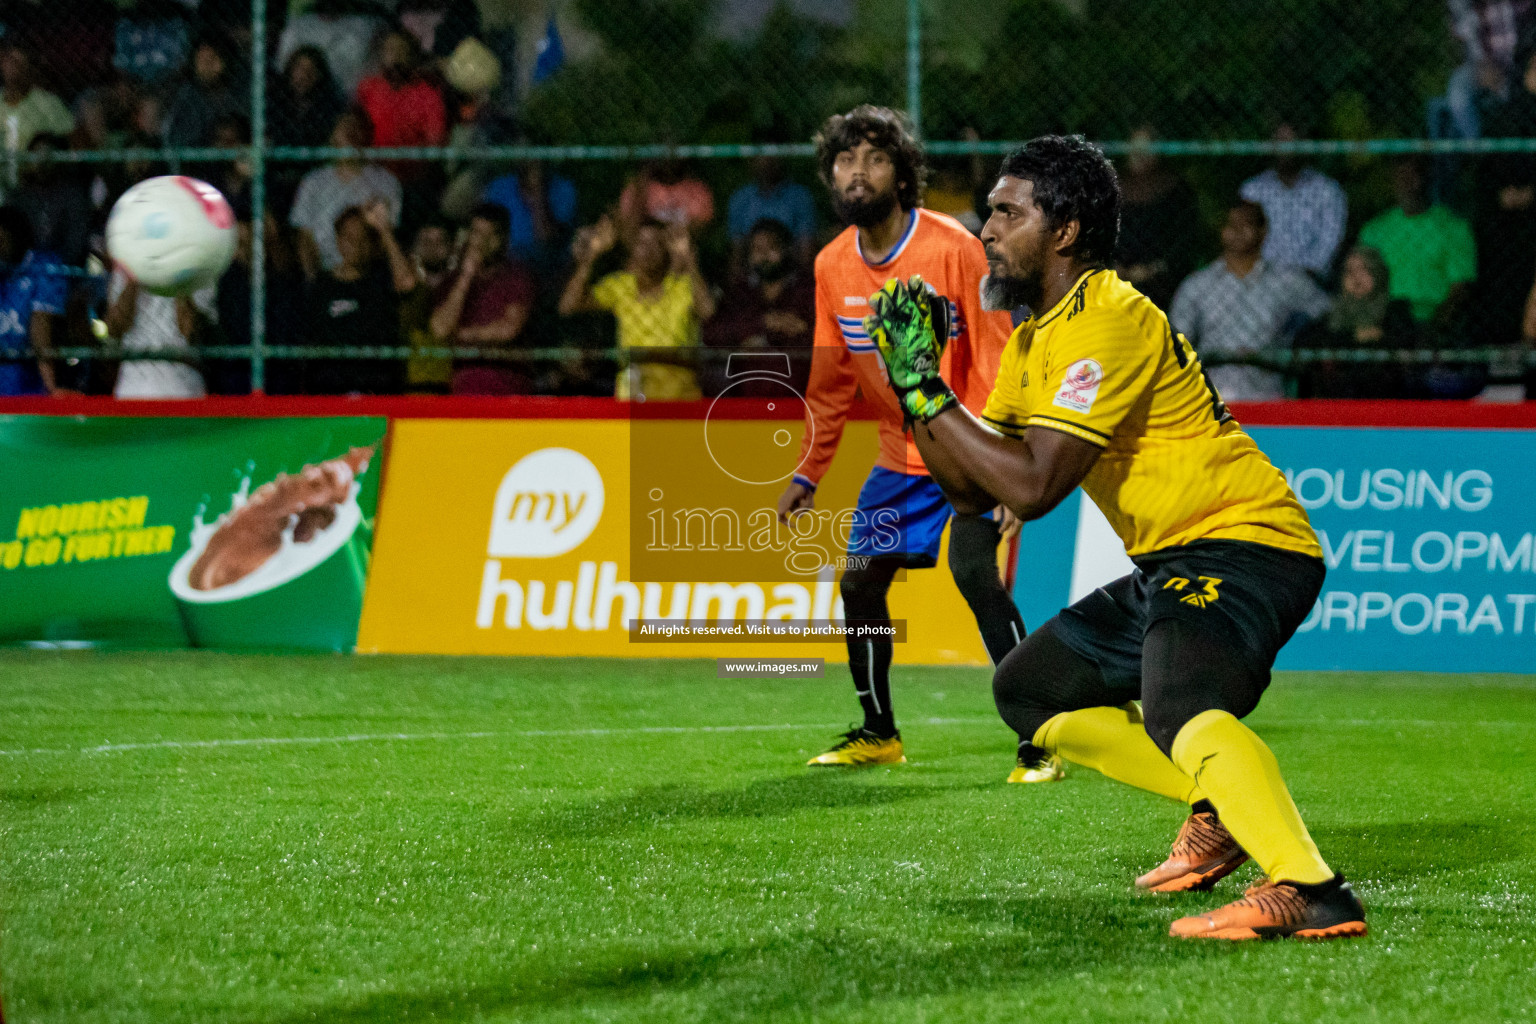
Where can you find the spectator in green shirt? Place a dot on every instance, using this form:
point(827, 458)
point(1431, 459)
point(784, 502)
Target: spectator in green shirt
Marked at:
point(1429, 251)
point(25, 109)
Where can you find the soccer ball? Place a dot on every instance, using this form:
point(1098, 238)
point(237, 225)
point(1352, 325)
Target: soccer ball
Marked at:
point(173, 235)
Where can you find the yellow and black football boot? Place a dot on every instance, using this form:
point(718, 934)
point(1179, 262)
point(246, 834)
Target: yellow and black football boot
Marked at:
point(1035, 765)
point(860, 747)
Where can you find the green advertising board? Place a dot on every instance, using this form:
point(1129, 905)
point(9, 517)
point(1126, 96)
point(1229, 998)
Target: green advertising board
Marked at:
point(172, 532)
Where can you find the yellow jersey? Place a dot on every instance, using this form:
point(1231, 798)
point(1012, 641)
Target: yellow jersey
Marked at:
point(665, 321)
point(1104, 365)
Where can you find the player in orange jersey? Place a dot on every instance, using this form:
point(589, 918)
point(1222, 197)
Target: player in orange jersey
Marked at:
point(873, 165)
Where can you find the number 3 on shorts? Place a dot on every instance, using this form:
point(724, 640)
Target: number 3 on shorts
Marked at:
point(1206, 595)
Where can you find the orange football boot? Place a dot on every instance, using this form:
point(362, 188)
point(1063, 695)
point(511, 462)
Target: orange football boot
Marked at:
point(1270, 910)
point(1203, 854)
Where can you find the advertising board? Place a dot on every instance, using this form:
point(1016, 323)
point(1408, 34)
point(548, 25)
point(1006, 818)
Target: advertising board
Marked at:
point(229, 533)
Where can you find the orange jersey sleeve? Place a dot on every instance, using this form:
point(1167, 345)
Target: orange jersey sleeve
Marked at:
point(831, 390)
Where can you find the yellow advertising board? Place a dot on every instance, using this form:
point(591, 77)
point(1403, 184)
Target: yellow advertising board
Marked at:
point(515, 537)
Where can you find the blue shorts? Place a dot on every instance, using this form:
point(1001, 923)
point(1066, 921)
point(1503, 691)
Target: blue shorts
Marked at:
point(901, 515)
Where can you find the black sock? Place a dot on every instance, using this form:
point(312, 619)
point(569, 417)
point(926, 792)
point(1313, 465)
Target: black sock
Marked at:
point(869, 661)
point(973, 544)
point(1203, 807)
point(1031, 754)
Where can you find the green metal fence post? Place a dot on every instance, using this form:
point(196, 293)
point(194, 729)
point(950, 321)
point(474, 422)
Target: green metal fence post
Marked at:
point(258, 194)
point(915, 64)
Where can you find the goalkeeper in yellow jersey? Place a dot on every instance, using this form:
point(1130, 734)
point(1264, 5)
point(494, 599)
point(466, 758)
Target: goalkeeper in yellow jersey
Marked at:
point(1097, 390)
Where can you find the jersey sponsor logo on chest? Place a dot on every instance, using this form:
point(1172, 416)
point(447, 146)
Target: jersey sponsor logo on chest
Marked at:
point(1080, 386)
point(855, 300)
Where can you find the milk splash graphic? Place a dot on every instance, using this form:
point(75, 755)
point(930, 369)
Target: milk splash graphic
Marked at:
point(234, 557)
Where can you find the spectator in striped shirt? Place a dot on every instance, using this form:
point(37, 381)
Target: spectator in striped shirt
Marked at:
point(1306, 210)
point(1244, 307)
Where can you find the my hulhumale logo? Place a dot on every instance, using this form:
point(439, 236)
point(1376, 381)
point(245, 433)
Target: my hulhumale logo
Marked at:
point(547, 504)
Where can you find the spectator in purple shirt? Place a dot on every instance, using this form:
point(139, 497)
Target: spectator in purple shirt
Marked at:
point(485, 305)
point(770, 308)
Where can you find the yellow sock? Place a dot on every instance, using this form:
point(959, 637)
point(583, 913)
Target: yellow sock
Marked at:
point(1241, 777)
point(1114, 741)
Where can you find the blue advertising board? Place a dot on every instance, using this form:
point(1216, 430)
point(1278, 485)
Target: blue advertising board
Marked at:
point(1428, 536)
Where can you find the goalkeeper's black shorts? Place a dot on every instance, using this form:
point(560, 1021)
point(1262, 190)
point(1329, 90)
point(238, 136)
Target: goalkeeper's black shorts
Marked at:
point(1251, 595)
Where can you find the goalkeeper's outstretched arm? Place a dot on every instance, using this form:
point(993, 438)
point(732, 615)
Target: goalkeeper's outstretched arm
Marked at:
point(979, 468)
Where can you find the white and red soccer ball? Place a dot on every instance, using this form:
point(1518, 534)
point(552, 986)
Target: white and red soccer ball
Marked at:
point(173, 235)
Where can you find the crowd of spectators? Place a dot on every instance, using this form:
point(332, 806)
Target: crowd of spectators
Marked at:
point(423, 255)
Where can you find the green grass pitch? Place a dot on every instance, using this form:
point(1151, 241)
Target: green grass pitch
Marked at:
point(197, 837)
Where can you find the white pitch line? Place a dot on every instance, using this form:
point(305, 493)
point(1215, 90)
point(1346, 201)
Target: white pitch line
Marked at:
point(384, 737)
point(663, 730)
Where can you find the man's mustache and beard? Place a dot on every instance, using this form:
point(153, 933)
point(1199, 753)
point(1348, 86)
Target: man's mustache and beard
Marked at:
point(867, 210)
point(1002, 292)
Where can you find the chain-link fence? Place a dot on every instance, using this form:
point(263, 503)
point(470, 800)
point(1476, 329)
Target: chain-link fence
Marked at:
point(463, 195)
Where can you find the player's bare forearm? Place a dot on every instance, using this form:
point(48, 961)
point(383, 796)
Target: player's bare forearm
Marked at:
point(501, 331)
point(963, 493)
point(42, 346)
point(402, 273)
point(444, 323)
point(703, 297)
point(1029, 475)
point(575, 298)
point(309, 255)
point(123, 310)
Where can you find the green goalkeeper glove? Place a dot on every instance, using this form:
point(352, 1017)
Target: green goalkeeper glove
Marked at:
point(910, 325)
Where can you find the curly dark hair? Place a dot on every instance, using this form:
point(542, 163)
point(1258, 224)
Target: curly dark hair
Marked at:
point(882, 128)
point(1073, 180)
